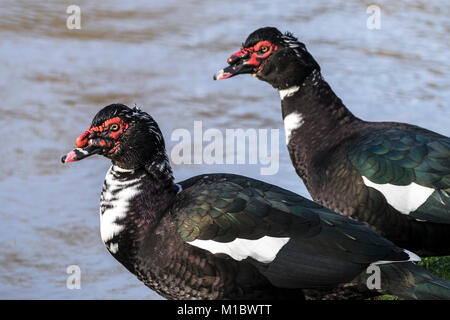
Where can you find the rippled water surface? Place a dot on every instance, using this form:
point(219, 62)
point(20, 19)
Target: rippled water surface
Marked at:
point(161, 55)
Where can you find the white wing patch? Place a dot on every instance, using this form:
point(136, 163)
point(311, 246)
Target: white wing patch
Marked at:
point(264, 249)
point(288, 92)
point(292, 121)
point(412, 257)
point(404, 199)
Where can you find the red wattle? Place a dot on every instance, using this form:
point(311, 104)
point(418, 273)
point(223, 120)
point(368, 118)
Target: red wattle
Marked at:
point(82, 140)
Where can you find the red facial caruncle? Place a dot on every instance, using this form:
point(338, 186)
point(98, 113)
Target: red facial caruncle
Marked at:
point(105, 135)
point(258, 53)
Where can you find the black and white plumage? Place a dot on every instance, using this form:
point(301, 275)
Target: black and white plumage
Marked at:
point(223, 236)
point(393, 176)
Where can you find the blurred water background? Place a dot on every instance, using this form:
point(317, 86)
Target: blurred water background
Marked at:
point(161, 56)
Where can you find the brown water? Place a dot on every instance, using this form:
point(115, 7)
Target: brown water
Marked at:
point(161, 55)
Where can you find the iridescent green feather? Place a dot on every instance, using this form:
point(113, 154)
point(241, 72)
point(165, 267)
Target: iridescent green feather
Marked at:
point(254, 209)
point(400, 157)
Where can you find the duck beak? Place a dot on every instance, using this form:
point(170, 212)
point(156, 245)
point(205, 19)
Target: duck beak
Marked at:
point(238, 64)
point(233, 70)
point(80, 153)
point(85, 147)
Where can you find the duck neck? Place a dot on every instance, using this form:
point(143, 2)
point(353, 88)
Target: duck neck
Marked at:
point(132, 204)
point(313, 114)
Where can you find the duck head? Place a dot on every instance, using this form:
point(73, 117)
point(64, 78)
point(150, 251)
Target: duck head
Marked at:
point(129, 137)
point(269, 55)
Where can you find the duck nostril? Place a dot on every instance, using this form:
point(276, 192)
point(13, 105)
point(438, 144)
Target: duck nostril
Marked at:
point(233, 59)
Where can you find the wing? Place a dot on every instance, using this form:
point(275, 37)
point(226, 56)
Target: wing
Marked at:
point(294, 241)
point(410, 167)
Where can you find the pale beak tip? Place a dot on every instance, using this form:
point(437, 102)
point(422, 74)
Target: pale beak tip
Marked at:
point(220, 75)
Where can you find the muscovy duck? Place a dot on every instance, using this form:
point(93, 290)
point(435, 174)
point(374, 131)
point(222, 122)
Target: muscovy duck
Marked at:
point(393, 176)
point(225, 236)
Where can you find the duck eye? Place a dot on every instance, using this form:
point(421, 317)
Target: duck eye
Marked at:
point(114, 127)
point(264, 49)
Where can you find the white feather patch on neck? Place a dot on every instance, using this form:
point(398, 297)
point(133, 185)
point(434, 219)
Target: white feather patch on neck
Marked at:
point(288, 92)
point(119, 169)
point(292, 121)
point(264, 249)
point(114, 201)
